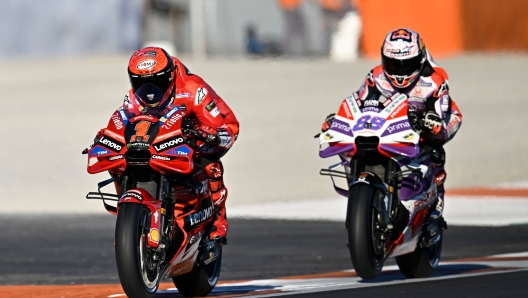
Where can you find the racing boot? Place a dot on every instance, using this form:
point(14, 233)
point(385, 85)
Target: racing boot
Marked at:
point(433, 230)
point(219, 230)
point(215, 171)
point(439, 181)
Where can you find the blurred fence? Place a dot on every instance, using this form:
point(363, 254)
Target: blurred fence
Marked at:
point(491, 25)
point(69, 27)
point(448, 26)
point(226, 27)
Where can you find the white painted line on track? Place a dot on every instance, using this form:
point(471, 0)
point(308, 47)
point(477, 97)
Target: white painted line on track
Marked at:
point(298, 285)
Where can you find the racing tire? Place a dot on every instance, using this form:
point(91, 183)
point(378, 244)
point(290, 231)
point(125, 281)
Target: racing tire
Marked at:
point(138, 275)
point(422, 262)
point(366, 248)
point(201, 280)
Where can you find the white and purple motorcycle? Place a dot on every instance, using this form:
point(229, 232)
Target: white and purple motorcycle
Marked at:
point(391, 187)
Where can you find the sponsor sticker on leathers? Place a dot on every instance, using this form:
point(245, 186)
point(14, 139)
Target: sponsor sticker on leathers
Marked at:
point(210, 106)
point(215, 112)
point(183, 95)
point(201, 93)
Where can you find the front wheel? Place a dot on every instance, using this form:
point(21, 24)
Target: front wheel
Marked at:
point(137, 265)
point(422, 262)
point(366, 242)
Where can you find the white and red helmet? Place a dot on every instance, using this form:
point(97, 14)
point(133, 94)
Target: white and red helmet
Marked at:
point(402, 57)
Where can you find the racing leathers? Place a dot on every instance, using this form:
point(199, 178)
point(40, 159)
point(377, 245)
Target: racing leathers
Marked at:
point(431, 110)
point(211, 116)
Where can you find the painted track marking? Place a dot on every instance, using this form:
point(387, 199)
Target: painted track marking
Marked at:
point(294, 284)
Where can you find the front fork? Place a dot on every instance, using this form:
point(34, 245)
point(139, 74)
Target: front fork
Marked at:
point(160, 207)
point(386, 203)
point(388, 186)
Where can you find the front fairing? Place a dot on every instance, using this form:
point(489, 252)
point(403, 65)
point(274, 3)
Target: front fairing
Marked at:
point(142, 140)
point(389, 124)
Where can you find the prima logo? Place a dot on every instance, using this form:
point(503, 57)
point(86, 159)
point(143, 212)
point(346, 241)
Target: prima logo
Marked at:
point(398, 127)
point(340, 126)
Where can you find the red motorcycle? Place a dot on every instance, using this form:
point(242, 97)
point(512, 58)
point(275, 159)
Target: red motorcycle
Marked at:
point(164, 207)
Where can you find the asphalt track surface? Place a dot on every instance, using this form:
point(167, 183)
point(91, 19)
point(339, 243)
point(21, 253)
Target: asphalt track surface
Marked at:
point(45, 250)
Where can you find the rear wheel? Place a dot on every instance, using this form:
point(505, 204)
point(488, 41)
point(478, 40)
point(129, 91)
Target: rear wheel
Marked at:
point(422, 262)
point(366, 242)
point(201, 280)
point(137, 265)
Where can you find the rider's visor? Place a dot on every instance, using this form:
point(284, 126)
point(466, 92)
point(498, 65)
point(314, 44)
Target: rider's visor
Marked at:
point(150, 95)
point(401, 67)
point(162, 80)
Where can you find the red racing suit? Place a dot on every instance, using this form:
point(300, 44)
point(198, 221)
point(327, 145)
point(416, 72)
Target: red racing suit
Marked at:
point(214, 116)
point(430, 93)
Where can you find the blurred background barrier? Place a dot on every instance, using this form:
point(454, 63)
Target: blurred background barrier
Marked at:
point(69, 27)
point(437, 21)
point(493, 25)
point(448, 27)
point(339, 29)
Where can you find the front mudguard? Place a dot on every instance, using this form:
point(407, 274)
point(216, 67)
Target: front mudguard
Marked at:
point(141, 196)
point(382, 204)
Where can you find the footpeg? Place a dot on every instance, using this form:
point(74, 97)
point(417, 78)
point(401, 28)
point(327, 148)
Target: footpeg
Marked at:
point(433, 231)
point(211, 251)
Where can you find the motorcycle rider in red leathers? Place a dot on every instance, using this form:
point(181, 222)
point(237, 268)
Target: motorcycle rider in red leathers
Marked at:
point(407, 67)
point(160, 82)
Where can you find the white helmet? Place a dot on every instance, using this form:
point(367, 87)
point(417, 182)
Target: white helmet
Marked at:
point(402, 56)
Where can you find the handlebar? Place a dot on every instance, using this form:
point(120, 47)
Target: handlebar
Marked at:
point(210, 139)
point(193, 132)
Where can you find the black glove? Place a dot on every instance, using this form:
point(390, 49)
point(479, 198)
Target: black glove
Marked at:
point(432, 123)
point(437, 153)
point(212, 139)
point(328, 122)
point(414, 118)
point(194, 135)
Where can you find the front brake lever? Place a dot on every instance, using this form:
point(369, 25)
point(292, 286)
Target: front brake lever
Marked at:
point(317, 135)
